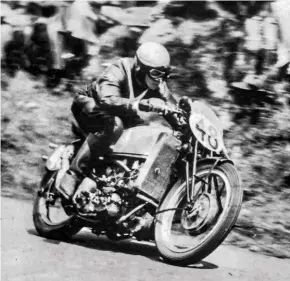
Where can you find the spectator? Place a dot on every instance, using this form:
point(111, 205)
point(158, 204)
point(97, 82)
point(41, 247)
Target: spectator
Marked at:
point(232, 44)
point(281, 12)
point(72, 32)
point(14, 58)
point(279, 39)
point(261, 40)
point(38, 49)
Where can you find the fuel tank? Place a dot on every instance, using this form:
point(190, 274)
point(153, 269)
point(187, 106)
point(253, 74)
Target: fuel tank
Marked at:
point(158, 146)
point(140, 140)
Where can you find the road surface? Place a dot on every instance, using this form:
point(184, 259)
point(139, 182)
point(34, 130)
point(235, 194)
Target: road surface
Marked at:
point(28, 257)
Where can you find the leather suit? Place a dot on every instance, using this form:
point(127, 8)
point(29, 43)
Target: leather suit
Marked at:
point(103, 109)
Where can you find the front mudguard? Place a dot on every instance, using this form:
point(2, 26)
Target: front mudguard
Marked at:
point(214, 161)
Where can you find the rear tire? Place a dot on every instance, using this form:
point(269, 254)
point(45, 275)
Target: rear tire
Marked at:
point(44, 226)
point(219, 232)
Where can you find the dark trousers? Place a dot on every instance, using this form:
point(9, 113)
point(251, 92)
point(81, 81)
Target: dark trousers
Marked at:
point(92, 120)
point(101, 130)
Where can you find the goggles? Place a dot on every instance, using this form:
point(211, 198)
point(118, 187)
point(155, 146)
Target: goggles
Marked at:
point(157, 74)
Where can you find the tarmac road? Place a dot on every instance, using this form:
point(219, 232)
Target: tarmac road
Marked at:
point(26, 256)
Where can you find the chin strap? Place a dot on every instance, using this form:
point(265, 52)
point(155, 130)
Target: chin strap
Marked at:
point(164, 91)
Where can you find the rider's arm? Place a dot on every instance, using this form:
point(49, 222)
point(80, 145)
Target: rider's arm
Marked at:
point(172, 119)
point(172, 103)
point(166, 95)
point(108, 92)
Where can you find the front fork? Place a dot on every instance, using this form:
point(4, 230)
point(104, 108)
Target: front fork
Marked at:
point(191, 192)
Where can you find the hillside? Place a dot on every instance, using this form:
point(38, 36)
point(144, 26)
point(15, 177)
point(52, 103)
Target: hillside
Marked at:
point(257, 134)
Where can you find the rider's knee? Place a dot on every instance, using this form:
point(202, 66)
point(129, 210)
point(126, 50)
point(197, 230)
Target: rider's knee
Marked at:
point(113, 128)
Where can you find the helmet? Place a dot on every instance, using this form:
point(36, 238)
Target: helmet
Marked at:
point(153, 55)
point(154, 60)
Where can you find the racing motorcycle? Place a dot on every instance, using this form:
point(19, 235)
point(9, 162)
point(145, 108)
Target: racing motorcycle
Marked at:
point(175, 186)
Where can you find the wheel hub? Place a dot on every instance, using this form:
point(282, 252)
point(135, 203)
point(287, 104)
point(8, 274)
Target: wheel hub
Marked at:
point(201, 215)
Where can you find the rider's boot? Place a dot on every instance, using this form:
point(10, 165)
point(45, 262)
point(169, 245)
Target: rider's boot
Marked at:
point(94, 146)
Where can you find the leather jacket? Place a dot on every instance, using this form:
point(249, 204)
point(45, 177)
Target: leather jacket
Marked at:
point(116, 90)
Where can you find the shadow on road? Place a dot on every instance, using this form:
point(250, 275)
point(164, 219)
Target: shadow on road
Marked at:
point(131, 247)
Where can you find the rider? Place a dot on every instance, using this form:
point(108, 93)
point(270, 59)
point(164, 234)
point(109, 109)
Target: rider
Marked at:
point(105, 107)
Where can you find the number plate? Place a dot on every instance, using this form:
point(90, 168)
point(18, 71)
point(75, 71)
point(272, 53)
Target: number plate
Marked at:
point(206, 127)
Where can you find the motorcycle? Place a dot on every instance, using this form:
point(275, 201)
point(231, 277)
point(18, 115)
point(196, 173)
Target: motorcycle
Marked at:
point(177, 187)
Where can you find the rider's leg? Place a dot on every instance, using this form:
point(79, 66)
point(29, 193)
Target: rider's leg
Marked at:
point(95, 145)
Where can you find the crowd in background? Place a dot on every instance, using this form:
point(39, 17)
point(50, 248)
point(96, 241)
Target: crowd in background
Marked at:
point(264, 46)
point(60, 38)
point(56, 38)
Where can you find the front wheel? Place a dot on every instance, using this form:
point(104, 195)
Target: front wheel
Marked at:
point(186, 234)
point(50, 218)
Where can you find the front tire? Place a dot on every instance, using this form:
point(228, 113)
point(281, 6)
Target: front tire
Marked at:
point(183, 241)
point(46, 198)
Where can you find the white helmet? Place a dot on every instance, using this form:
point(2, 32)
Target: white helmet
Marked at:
point(153, 59)
point(153, 55)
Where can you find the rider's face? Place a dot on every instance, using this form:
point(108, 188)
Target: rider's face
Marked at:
point(151, 83)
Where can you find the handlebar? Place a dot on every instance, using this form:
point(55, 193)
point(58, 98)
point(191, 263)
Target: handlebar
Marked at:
point(173, 111)
point(159, 109)
point(175, 117)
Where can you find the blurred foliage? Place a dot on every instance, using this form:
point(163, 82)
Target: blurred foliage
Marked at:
point(197, 10)
point(257, 131)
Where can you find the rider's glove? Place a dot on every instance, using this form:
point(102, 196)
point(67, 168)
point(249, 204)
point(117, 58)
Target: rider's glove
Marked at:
point(154, 105)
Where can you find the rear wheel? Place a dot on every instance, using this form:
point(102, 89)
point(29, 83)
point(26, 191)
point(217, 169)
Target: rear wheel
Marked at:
point(51, 220)
point(187, 234)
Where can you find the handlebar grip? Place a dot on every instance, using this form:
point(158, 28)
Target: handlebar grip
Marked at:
point(145, 106)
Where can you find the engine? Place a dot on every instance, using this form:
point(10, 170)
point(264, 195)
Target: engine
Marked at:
point(108, 193)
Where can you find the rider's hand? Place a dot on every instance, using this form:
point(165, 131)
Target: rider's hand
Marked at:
point(154, 105)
